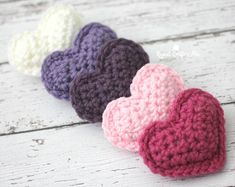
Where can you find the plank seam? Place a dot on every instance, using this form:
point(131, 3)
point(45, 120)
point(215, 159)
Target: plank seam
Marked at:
point(47, 128)
point(3, 63)
point(71, 125)
point(187, 36)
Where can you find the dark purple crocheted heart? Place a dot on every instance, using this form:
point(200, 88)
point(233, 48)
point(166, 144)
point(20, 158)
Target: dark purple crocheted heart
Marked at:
point(60, 67)
point(118, 62)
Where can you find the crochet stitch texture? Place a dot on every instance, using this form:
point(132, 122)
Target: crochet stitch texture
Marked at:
point(118, 62)
point(191, 141)
point(153, 88)
point(60, 67)
point(55, 31)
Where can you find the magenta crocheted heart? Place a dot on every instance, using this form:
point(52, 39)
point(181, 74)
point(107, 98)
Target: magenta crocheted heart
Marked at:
point(60, 67)
point(191, 141)
point(118, 62)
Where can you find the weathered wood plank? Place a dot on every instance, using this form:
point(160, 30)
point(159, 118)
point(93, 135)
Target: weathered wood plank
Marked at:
point(26, 105)
point(81, 156)
point(204, 62)
point(142, 21)
point(196, 38)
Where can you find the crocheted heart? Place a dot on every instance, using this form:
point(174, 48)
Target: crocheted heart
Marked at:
point(60, 68)
point(56, 30)
point(191, 141)
point(153, 88)
point(118, 62)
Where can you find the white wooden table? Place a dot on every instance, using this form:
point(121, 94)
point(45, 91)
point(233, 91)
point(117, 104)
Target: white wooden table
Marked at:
point(44, 143)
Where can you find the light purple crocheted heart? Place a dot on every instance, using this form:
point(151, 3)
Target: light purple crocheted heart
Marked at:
point(61, 67)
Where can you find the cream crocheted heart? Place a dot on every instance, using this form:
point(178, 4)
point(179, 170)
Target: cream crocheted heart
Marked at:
point(55, 31)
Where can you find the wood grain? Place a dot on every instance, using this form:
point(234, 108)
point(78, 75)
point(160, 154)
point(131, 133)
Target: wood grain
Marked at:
point(80, 156)
point(142, 21)
point(44, 143)
point(206, 62)
point(26, 105)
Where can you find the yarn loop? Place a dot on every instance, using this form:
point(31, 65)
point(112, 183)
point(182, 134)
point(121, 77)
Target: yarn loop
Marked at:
point(55, 31)
point(191, 141)
point(117, 64)
point(153, 88)
point(61, 67)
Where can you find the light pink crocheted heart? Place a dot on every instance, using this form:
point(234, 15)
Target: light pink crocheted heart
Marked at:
point(153, 88)
point(191, 141)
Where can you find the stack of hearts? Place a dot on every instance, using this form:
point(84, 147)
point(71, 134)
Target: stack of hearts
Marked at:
point(143, 107)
